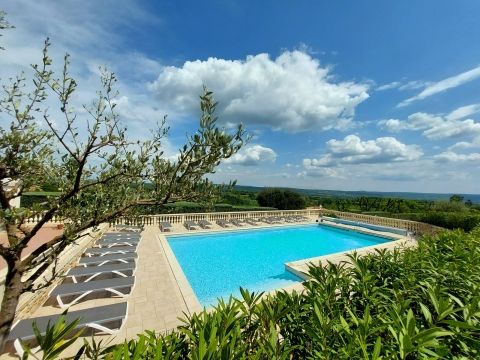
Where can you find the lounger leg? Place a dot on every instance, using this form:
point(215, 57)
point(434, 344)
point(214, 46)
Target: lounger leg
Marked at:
point(102, 328)
point(17, 344)
point(107, 261)
point(77, 299)
point(92, 277)
point(113, 252)
point(119, 273)
point(116, 292)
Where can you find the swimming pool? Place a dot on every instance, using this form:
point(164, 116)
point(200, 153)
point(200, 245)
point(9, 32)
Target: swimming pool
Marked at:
point(218, 264)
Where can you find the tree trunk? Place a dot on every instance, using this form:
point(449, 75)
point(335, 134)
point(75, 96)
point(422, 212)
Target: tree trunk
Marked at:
point(11, 297)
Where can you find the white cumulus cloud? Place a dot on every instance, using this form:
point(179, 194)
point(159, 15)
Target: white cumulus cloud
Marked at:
point(291, 93)
point(321, 172)
point(475, 143)
point(451, 156)
point(444, 85)
point(438, 127)
point(252, 155)
point(353, 150)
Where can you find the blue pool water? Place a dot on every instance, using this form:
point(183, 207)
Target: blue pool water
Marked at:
point(217, 264)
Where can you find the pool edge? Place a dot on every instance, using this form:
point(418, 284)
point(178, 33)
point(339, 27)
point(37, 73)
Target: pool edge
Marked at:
point(300, 267)
point(297, 267)
point(190, 299)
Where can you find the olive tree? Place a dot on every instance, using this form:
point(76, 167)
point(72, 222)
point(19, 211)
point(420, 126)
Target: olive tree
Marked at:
point(99, 172)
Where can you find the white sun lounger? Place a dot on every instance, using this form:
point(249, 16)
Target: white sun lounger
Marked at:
point(80, 290)
point(237, 222)
point(102, 260)
point(96, 318)
point(122, 270)
point(223, 223)
point(111, 250)
point(205, 224)
point(128, 228)
point(118, 242)
point(190, 225)
point(121, 236)
point(165, 226)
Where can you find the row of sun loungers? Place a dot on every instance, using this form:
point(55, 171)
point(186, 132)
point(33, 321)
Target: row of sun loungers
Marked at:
point(165, 226)
point(113, 261)
point(255, 222)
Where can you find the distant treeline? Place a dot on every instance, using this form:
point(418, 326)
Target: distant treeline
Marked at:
point(454, 212)
point(335, 194)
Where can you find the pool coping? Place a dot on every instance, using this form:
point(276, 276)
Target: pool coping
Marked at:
point(190, 299)
point(188, 294)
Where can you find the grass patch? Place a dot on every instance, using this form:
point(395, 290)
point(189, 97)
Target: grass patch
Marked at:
point(41, 193)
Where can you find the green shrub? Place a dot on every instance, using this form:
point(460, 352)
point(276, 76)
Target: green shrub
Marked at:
point(237, 198)
point(281, 199)
point(452, 220)
point(460, 220)
point(450, 206)
point(29, 199)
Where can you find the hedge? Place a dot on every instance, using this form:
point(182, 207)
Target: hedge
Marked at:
point(449, 220)
point(28, 199)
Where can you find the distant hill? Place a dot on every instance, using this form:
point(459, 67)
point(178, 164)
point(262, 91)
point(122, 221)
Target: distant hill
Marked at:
point(475, 198)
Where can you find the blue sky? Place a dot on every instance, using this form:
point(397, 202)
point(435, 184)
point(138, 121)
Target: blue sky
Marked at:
point(364, 95)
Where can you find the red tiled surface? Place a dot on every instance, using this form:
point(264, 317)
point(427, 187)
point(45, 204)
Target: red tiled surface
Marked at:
point(44, 235)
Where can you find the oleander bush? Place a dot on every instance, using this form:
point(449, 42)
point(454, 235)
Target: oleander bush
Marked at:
point(414, 303)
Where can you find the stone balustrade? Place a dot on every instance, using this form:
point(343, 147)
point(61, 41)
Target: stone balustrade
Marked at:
point(414, 227)
point(36, 218)
point(211, 216)
point(411, 226)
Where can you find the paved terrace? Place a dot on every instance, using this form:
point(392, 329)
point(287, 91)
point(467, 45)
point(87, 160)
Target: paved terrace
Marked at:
point(160, 296)
point(161, 293)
